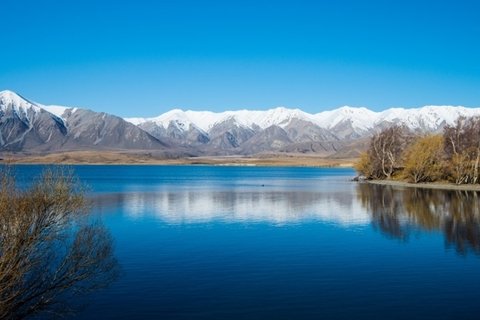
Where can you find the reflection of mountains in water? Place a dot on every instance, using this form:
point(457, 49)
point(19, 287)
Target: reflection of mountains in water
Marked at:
point(277, 207)
point(397, 211)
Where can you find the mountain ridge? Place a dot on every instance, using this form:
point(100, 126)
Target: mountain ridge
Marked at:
point(29, 126)
point(325, 119)
point(335, 126)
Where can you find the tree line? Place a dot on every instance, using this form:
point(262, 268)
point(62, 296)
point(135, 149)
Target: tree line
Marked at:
point(397, 153)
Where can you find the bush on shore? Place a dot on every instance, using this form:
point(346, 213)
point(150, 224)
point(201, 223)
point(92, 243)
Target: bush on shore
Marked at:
point(396, 153)
point(50, 250)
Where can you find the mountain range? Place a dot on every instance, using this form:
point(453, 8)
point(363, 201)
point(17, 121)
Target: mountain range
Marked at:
point(30, 127)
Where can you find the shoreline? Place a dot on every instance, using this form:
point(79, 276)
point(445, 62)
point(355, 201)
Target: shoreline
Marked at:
point(430, 185)
point(124, 158)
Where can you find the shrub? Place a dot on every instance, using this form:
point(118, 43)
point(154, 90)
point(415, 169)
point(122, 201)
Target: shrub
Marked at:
point(423, 159)
point(50, 250)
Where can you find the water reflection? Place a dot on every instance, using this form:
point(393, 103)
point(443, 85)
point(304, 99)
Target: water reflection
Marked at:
point(397, 212)
point(277, 207)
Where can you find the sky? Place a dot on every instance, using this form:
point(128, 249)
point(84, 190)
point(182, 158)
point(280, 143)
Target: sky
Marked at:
point(143, 58)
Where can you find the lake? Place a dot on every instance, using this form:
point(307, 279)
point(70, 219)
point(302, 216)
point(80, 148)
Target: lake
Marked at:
point(204, 242)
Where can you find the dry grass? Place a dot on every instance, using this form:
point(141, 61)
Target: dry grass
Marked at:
point(115, 157)
point(428, 185)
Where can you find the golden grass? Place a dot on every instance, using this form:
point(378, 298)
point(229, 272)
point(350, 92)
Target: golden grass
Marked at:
point(116, 157)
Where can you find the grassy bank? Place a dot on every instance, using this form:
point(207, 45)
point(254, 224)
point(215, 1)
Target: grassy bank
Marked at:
point(118, 158)
point(432, 185)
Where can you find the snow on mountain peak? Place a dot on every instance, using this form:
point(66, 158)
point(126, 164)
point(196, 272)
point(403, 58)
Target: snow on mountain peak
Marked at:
point(136, 121)
point(282, 116)
point(21, 105)
point(427, 117)
point(205, 120)
point(7, 95)
point(57, 110)
point(15, 101)
point(360, 119)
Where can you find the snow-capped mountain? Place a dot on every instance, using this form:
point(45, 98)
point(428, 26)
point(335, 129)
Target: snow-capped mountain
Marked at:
point(428, 117)
point(9, 99)
point(25, 125)
point(32, 127)
point(206, 120)
point(339, 124)
point(29, 126)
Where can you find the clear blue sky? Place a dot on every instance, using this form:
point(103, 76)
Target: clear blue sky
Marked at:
point(142, 58)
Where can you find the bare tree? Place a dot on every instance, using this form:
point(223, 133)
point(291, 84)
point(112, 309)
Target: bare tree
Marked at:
point(50, 250)
point(385, 150)
point(462, 149)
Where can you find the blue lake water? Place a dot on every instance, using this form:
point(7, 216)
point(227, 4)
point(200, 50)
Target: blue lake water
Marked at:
point(201, 242)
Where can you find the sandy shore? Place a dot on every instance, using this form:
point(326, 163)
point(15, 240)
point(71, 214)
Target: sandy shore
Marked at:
point(434, 185)
point(118, 158)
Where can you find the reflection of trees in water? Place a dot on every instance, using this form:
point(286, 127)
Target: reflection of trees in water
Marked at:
point(385, 208)
point(50, 250)
point(396, 211)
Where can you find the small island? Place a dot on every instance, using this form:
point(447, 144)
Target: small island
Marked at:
point(448, 160)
